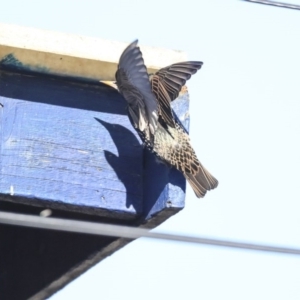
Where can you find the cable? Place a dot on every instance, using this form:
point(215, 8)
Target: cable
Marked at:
point(275, 3)
point(127, 232)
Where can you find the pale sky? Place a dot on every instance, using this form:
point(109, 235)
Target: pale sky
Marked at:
point(245, 128)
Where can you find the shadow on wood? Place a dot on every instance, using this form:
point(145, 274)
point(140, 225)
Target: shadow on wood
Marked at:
point(69, 146)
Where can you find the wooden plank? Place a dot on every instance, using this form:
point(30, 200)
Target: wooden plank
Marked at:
point(70, 145)
point(64, 146)
point(64, 54)
point(67, 144)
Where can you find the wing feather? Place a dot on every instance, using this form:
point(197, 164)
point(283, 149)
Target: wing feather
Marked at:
point(133, 83)
point(168, 82)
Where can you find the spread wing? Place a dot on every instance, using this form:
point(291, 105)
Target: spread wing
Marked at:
point(167, 83)
point(133, 83)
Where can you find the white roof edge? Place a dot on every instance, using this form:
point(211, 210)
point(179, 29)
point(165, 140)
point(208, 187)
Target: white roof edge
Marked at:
point(65, 54)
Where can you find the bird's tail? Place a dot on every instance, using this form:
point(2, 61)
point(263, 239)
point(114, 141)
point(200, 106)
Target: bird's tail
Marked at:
point(201, 182)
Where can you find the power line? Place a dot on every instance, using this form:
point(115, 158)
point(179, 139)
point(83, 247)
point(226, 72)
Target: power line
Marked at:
point(128, 232)
point(275, 3)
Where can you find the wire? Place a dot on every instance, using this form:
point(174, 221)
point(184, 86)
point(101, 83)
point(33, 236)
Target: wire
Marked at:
point(275, 3)
point(127, 232)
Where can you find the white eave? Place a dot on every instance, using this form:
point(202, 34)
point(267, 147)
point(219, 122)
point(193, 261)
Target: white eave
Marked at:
point(64, 54)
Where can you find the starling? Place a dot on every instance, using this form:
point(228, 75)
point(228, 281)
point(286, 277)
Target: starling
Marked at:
point(149, 110)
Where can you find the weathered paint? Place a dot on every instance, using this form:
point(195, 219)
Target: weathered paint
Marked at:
point(55, 148)
point(10, 62)
point(69, 146)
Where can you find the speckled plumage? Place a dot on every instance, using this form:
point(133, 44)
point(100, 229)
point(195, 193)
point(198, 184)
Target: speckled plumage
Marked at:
point(150, 113)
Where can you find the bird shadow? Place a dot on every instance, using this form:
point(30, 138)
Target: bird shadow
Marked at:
point(146, 181)
point(153, 177)
point(128, 164)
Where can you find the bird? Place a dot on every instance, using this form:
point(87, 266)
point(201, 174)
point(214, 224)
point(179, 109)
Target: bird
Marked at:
point(149, 109)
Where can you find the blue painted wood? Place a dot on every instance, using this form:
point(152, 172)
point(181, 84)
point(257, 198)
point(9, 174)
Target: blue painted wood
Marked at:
point(70, 145)
point(54, 146)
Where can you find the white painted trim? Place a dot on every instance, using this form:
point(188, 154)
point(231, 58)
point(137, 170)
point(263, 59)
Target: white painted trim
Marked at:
point(72, 55)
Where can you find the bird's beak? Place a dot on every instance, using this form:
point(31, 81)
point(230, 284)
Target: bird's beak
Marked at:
point(112, 84)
